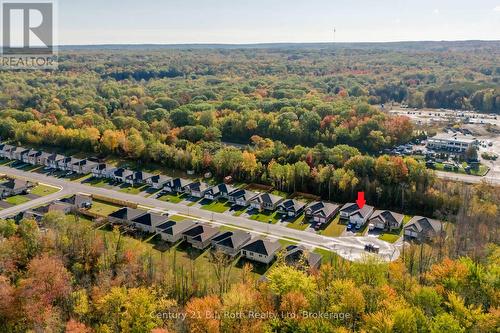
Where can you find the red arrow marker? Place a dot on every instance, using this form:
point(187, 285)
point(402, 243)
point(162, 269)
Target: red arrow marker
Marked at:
point(361, 200)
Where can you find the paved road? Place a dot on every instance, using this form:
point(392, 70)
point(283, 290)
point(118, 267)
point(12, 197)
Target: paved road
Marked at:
point(348, 247)
point(493, 177)
point(39, 201)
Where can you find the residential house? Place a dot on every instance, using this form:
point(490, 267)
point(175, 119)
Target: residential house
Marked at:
point(5, 151)
point(177, 185)
point(61, 206)
point(66, 163)
point(219, 191)
point(14, 186)
point(121, 174)
point(200, 235)
point(148, 222)
point(297, 254)
point(196, 189)
point(32, 157)
point(291, 207)
point(423, 228)
point(25, 157)
point(157, 181)
point(54, 160)
point(124, 215)
point(354, 215)
point(138, 178)
point(83, 166)
point(36, 214)
point(266, 201)
point(103, 170)
point(18, 153)
point(79, 201)
point(241, 197)
point(220, 236)
point(386, 220)
point(232, 242)
point(43, 159)
point(260, 250)
point(321, 212)
point(171, 231)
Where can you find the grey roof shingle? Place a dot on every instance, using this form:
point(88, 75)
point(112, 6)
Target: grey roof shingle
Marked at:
point(127, 213)
point(262, 246)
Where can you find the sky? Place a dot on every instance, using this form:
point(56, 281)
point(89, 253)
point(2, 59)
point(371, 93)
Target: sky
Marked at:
point(268, 21)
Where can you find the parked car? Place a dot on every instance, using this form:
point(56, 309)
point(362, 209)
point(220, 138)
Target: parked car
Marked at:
point(372, 248)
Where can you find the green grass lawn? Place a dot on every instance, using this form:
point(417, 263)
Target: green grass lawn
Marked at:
point(133, 189)
point(334, 229)
point(279, 193)
point(99, 182)
point(80, 178)
point(103, 208)
point(16, 199)
point(42, 190)
point(328, 256)
point(239, 211)
point(298, 223)
point(266, 217)
point(176, 218)
point(390, 238)
point(285, 242)
point(481, 171)
point(217, 206)
point(171, 198)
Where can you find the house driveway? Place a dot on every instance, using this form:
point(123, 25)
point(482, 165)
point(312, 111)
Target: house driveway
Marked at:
point(4, 205)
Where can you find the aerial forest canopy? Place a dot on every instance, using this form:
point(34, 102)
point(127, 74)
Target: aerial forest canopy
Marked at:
point(308, 117)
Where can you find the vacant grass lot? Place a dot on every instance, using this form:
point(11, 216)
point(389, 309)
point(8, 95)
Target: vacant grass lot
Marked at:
point(16, 200)
point(42, 190)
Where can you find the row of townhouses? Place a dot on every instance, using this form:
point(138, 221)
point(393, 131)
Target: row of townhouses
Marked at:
point(318, 213)
point(202, 236)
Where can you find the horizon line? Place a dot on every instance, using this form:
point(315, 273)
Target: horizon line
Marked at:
point(284, 42)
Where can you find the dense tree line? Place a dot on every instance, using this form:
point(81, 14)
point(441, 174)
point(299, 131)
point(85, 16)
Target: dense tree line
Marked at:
point(71, 278)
